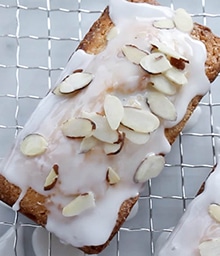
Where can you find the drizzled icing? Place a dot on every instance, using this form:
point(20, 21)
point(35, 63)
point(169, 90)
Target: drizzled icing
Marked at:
point(81, 173)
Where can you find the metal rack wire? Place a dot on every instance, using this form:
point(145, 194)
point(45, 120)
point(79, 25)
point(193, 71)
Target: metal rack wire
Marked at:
point(36, 39)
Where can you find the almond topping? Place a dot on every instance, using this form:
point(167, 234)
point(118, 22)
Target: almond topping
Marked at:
point(133, 136)
point(133, 54)
point(214, 212)
point(210, 247)
point(162, 84)
point(112, 177)
point(114, 111)
point(155, 63)
point(183, 21)
point(52, 177)
point(80, 204)
point(103, 131)
point(33, 145)
point(164, 23)
point(113, 32)
point(87, 144)
point(178, 63)
point(176, 76)
point(78, 127)
point(140, 120)
point(161, 106)
point(149, 168)
point(113, 149)
point(75, 82)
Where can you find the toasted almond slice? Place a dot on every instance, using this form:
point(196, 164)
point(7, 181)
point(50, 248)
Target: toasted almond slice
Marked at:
point(112, 33)
point(214, 212)
point(164, 23)
point(103, 131)
point(75, 82)
point(161, 106)
point(155, 63)
point(79, 204)
point(52, 177)
point(114, 111)
point(87, 144)
point(133, 136)
point(133, 53)
point(183, 21)
point(176, 76)
point(160, 83)
point(140, 120)
point(78, 127)
point(178, 63)
point(113, 149)
point(112, 177)
point(56, 91)
point(210, 247)
point(168, 51)
point(149, 168)
point(33, 145)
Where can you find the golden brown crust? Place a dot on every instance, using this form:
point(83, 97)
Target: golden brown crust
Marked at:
point(94, 42)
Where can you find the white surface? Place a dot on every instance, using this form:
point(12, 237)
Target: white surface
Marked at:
point(192, 156)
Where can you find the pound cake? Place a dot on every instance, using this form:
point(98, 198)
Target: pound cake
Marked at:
point(82, 159)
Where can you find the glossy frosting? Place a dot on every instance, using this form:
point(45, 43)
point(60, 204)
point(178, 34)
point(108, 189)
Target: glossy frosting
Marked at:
point(80, 173)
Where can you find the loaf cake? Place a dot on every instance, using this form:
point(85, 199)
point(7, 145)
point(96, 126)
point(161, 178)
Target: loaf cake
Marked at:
point(198, 231)
point(82, 159)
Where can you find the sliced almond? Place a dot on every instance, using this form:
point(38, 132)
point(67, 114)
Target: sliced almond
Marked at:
point(87, 144)
point(162, 84)
point(78, 127)
point(183, 21)
point(33, 145)
point(149, 168)
point(75, 82)
point(155, 63)
point(133, 53)
point(176, 76)
point(103, 131)
point(161, 106)
point(210, 247)
point(113, 149)
point(133, 136)
point(114, 111)
point(178, 63)
point(112, 33)
point(52, 177)
point(164, 23)
point(168, 51)
point(112, 177)
point(214, 212)
point(79, 205)
point(140, 120)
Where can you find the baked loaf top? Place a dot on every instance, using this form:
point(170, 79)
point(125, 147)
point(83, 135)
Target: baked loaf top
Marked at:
point(80, 162)
point(198, 231)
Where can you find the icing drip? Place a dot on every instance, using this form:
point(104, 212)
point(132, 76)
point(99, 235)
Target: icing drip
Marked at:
point(83, 173)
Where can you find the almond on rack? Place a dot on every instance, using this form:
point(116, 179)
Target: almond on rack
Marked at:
point(176, 76)
point(114, 111)
point(33, 145)
point(140, 120)
point(155, 63)
point(210, 247)
point(103, 131)
point(78, 127)
point(52, 177)
point(133, 136)
point(161, 106)
point(149, 168)
point(183, 21)
point(80, 204)
point(75, 82)
point(133, 53)
point(164, 23)
point(162, 84)
point(214, 212)
point(112, 177)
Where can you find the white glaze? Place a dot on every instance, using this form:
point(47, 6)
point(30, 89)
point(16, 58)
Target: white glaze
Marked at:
point(110, 71)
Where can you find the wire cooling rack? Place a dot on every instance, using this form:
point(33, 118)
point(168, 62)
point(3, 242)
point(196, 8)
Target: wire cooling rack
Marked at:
point(36, 39)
